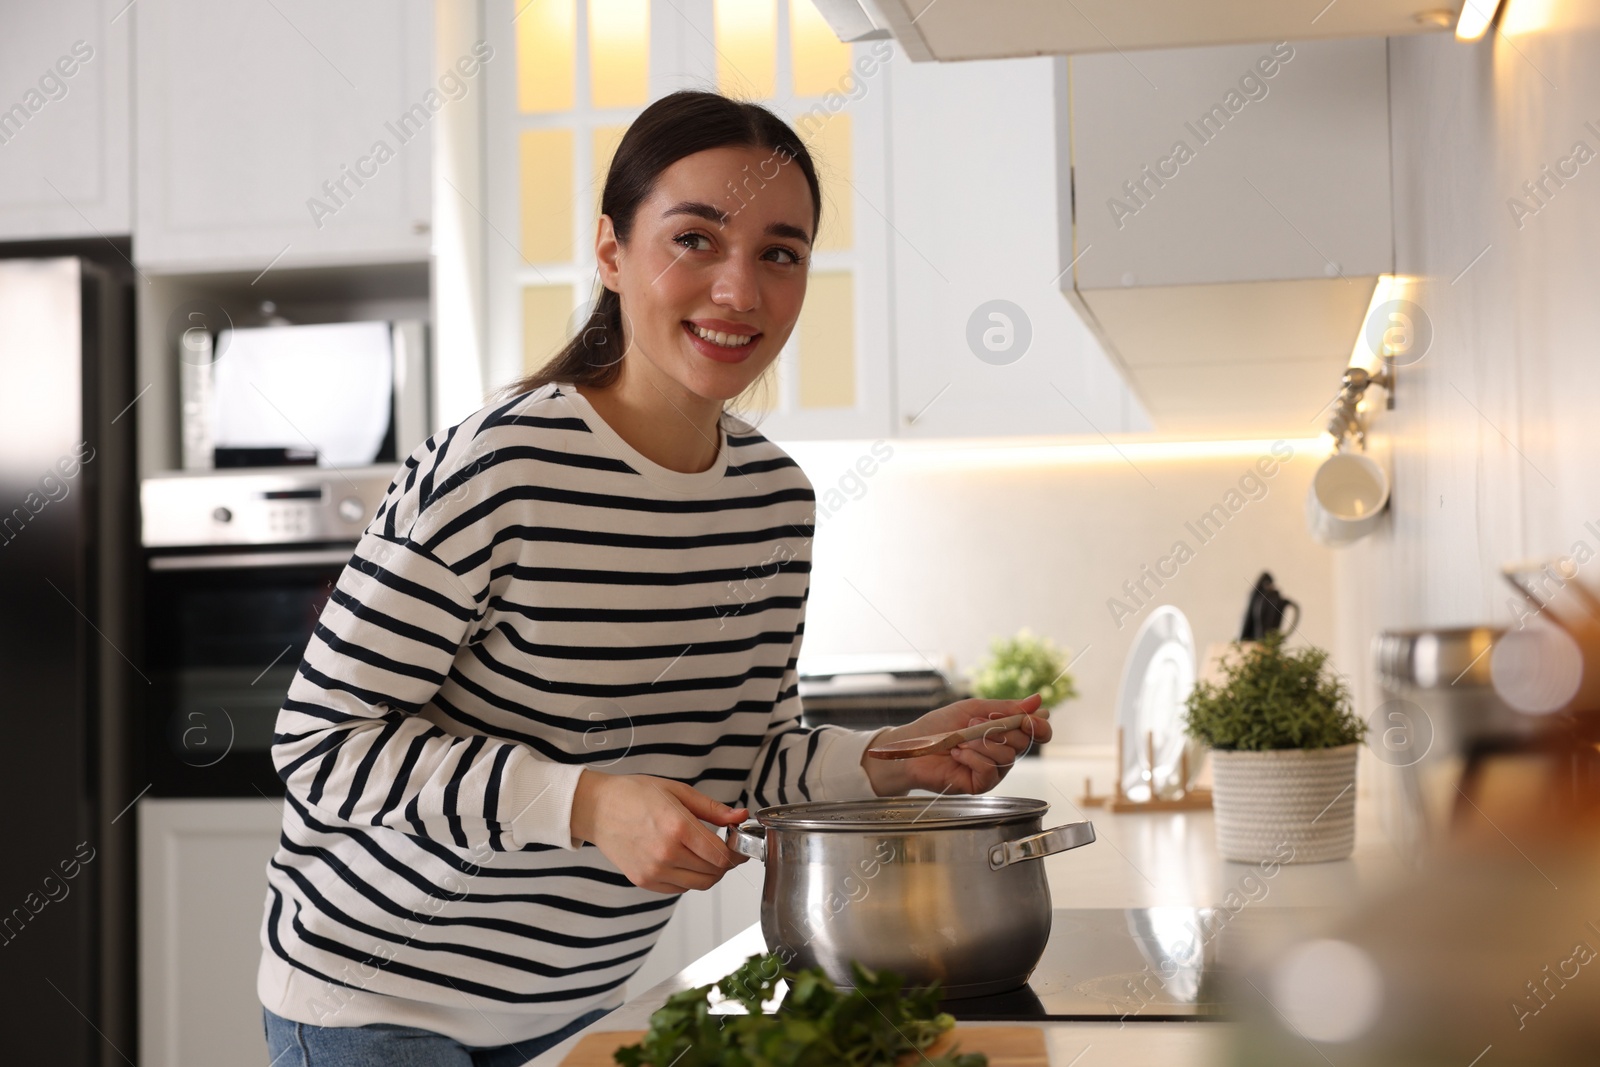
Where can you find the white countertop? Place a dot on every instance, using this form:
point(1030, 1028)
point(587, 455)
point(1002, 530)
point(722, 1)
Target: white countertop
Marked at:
point(1137, 860)
point(1171, 858)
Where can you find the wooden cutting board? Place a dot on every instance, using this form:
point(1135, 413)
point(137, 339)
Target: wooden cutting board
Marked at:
point(1006, 1046)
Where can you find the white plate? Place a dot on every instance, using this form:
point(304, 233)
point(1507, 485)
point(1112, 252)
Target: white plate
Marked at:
point(1156, 681)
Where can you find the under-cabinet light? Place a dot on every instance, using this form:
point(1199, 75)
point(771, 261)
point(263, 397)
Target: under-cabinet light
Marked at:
point(967, 454)
point(1476, 15)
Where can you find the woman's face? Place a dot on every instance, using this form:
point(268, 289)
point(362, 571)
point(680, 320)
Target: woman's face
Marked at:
point(721, 246)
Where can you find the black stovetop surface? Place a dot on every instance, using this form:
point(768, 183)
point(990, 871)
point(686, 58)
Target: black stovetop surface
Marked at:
point(1138, 964)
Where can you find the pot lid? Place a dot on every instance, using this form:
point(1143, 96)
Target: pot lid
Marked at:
point(901, 813)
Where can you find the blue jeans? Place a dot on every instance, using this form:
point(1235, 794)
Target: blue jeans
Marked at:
point(292, 1044)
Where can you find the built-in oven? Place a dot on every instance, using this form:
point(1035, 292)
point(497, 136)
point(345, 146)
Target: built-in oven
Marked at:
point(238, 566)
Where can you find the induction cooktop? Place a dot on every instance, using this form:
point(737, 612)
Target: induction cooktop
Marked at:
point(1159, 964)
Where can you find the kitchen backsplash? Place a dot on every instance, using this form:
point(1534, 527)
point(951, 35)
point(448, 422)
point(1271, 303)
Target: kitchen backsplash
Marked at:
point(942, 548)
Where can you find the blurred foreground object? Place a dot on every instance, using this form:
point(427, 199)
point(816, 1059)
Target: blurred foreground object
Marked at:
point(1490, 784)
point(1490, 952)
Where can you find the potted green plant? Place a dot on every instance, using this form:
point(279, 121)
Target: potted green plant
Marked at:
point(1283, 742)
point(1021, 666)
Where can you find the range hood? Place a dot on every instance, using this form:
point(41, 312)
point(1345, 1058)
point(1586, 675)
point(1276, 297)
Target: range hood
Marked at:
point(1229, 205)
point(984, 29)
point(1230, 227)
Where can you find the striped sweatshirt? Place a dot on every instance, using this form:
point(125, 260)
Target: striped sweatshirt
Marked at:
point(532, 598)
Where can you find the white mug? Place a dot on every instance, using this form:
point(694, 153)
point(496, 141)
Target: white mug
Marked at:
point(1347, 497)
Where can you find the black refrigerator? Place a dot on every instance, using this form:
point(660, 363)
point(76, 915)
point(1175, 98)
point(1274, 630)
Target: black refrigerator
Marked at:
point(67, 499)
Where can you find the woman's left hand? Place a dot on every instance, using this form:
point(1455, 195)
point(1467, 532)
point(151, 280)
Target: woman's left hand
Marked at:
point(970, 767)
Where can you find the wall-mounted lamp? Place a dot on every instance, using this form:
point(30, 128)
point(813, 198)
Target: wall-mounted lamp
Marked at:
point(1475, 19)
point(1350, 490)
point(1349, 411)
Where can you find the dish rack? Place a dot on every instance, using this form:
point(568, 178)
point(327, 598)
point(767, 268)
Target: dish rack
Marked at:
point(1189, 798)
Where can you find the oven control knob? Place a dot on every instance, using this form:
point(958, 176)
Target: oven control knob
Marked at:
point(350, 509)
point(222, 515)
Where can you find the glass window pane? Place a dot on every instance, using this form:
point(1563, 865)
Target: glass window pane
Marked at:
point(828, 139)
point(603, 144)
point(545, 310)
point(827, 331)
point(747, 48)
point(821, 60)
point(619, 53)
point(547, 196)
point(547, 44)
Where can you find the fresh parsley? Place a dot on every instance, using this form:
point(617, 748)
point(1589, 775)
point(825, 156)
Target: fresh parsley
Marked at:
point(817, 1024)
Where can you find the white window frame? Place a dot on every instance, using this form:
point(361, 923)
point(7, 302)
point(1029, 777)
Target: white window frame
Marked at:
point(682, 56)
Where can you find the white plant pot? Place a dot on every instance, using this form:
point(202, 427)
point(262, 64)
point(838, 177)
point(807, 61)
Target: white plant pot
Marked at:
point(1294, 805)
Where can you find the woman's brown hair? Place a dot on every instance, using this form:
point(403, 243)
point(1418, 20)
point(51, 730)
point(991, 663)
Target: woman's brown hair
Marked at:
point(678, 125)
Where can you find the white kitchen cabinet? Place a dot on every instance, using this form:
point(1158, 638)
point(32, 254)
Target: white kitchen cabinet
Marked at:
point(1286, 173)
point(64, 119)
point(978, 159)
point(951, 180)
point(292, 133)
point(202, 887)
point(1231, 217)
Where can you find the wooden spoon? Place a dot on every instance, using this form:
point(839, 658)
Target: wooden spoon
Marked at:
point(936, 743)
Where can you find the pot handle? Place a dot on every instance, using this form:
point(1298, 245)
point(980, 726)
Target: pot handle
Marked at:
point(749, 839)
point(1037, 846)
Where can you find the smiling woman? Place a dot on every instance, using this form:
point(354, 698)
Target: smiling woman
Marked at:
point(565, 648)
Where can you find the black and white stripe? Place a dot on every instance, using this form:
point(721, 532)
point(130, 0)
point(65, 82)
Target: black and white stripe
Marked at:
point(532, 598)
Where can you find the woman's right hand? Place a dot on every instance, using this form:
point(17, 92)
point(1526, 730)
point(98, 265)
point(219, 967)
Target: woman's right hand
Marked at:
point(651, 829)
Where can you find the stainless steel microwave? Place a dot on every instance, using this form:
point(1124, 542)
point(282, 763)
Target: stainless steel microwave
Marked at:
point(338, 394)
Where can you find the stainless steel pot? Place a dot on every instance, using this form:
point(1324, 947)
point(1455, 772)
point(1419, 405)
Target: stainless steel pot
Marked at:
point(940, 889)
